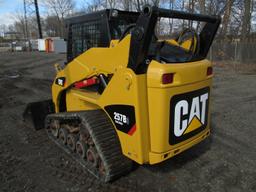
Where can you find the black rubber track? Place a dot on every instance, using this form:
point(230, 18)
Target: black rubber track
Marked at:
point(104, 137)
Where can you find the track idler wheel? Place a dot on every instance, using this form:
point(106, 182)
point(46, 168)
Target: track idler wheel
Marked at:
point(71, 141)
point(63, 134)
point(81, 149)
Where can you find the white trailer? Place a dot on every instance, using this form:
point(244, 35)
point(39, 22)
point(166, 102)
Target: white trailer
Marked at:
point(41, 45)
point(59, 46)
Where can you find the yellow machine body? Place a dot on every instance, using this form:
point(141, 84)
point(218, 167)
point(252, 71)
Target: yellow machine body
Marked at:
point(149, 141)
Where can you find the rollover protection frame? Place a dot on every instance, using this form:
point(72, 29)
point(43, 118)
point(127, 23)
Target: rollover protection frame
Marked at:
point(144, 30)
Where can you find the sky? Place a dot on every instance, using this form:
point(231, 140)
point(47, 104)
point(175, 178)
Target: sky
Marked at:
point(8, 9)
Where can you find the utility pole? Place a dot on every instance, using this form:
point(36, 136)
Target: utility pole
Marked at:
point(38, 20)
point(26, 24)
point(171, 5)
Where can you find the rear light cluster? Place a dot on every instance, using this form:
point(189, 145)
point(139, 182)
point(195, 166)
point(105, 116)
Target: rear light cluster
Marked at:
point(167, 78)
point(209, 71)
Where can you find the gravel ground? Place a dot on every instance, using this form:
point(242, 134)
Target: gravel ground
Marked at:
point(29, 161)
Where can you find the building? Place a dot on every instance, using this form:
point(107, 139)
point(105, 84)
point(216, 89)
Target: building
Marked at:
point(11, 35)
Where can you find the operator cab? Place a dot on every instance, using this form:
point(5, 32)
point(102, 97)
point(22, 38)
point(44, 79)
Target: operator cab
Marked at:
point(96, 29)
point(99, 28)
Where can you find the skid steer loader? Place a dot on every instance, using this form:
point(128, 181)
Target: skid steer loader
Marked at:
point(126, 95)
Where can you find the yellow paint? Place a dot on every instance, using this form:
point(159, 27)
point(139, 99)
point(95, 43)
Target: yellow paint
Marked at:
point(159, 157)
point(187, 77)
point(194, 124)
point(172, 41)
point(185, 45)
point(145, 92)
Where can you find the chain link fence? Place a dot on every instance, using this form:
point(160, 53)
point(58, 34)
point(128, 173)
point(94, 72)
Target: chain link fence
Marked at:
point(236, 52)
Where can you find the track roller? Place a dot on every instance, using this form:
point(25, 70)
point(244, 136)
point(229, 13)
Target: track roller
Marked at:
point(63, 134)
point(81, 149)
point(92, 156)
point(71, 141)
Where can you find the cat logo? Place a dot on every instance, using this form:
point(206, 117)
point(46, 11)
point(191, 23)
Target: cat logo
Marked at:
point(189, 115)
point(60, 81)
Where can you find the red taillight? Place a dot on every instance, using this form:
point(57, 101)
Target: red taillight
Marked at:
point(86, 83)
point(167, 78)
point(209, 71)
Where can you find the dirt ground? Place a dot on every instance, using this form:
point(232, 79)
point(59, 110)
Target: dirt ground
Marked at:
point(29, 161)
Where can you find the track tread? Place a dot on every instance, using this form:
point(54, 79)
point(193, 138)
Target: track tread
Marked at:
point(104, 137)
